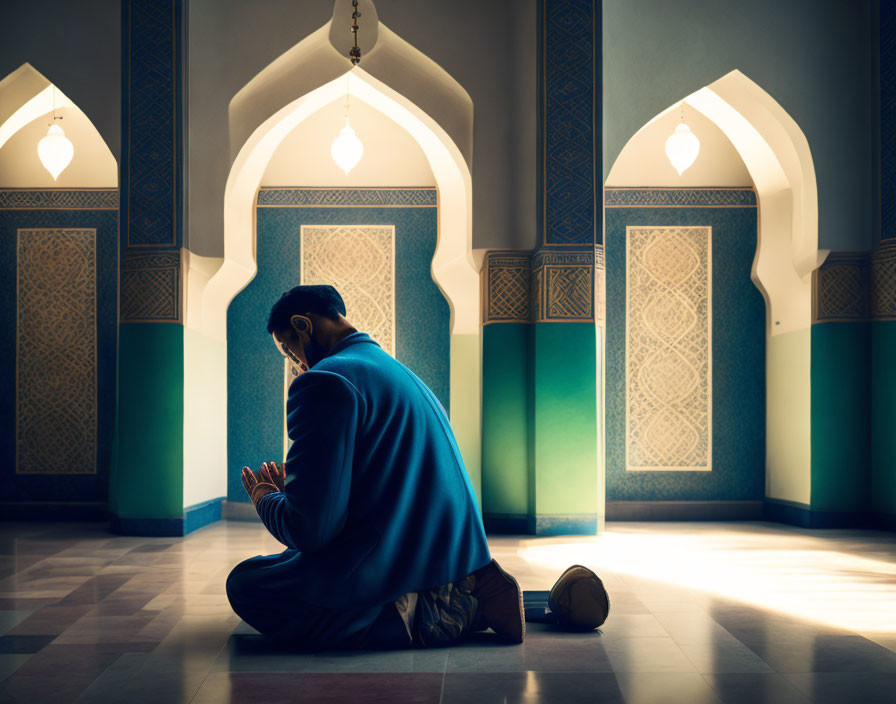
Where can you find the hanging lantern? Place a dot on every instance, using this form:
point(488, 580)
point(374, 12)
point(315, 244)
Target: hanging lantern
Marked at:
point(682, 148)
point(55, 151)
point(346, 149)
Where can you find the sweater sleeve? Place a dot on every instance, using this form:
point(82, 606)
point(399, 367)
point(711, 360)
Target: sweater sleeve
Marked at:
point(322, 416)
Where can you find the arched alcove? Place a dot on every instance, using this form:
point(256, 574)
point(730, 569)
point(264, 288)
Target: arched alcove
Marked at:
point(58, 272)
point(28, 102)
point(293, 88)
point(745, 122)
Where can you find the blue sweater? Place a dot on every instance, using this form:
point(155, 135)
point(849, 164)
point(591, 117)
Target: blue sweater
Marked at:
point(377, 501)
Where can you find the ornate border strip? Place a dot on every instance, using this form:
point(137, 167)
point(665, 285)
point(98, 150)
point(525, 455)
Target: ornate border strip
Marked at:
point(347, 197)
point(151, 122)
point(59, 199)
point(840, 288)
point(570, 117)
point(679, 197)
point(538, 287)
point(883, 282)
point(150, 287)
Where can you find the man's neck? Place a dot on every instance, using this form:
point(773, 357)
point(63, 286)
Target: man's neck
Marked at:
point(337, 335)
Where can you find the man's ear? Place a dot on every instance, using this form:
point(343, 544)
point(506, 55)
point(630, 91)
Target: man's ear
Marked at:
point(301, 325)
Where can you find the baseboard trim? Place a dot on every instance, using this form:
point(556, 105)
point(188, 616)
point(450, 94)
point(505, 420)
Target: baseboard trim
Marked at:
point(53, 511)
point(804, 516)
point(506, 523)
point(194, 518)
point(883, 521)
point(238, 511)
point(566, 524)
point(148, 527)
point(684, 510)
point(202, 514)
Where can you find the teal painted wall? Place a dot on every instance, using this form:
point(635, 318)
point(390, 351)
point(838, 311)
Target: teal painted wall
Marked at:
point(883, 429)
point(564, 410)
point(841, 416)
point(147, 478)
point(505, 374)
point(539, 434)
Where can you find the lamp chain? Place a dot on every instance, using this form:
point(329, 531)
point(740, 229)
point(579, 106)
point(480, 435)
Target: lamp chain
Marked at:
point(355, 52)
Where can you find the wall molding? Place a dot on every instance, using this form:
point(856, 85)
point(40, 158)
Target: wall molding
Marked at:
point(658, 197)
point(59, 198)
point(298, 197)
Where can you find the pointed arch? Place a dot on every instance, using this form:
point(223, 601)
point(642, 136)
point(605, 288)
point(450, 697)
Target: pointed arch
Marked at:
point(306, 78)
point(777, 156)
point(27, 101)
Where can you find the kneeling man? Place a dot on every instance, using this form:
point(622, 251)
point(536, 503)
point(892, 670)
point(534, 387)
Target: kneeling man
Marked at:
point(385, 543)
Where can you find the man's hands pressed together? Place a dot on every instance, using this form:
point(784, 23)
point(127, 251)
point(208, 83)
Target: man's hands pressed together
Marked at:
point(267, 480)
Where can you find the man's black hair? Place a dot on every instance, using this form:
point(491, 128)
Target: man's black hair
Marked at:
point(321, 299)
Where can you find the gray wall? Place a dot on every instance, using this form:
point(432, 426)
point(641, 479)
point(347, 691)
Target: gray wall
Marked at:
point(488, 47)
point(813, 56)
point(77, 46)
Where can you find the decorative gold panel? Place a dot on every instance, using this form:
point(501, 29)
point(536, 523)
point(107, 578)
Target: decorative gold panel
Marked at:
point(668, 348)
point(360, 262)
point(56, 352)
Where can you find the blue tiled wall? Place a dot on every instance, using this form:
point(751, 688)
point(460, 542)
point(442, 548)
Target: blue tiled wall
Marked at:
point(738, 359)
point(59, 487)
point(255, 367)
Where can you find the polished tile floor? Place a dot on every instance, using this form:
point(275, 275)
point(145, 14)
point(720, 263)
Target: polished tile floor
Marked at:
point(738, 612)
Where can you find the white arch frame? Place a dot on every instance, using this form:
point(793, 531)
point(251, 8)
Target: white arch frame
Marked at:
point(779, 160)
point(454, 271)
point(36, 97)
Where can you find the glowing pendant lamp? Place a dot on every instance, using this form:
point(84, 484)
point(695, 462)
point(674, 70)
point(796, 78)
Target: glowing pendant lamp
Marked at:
point(346, 149)
point(682, 146)
point(55, 151)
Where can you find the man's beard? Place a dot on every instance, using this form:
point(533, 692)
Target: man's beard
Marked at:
point(314, 352)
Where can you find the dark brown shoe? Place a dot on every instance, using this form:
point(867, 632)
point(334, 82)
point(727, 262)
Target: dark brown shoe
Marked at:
point(500, 603)
point(578, 600)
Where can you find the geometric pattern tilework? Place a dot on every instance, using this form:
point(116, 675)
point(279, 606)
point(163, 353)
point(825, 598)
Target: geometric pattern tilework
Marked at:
point(668, 348)
point(883, 282)
point(507, 287)
point(49, 199)
point(570, 151)
point(887, 119)
point(566, 290)
point(360, 262)
point(679, 197)
point(56, 384)
point(150, 122)
point(545, 286)
point(600, 285)
point(347, 197)
point(840, 288)
point(150, 287)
